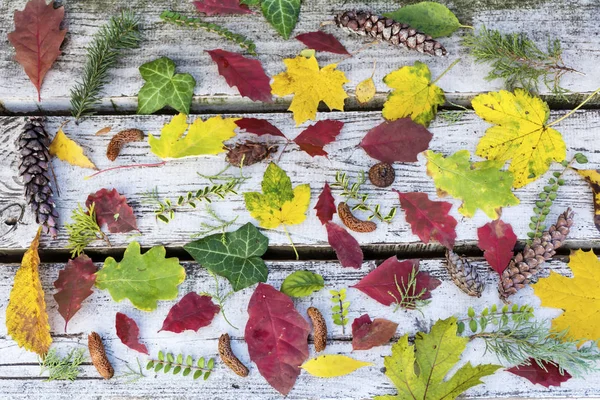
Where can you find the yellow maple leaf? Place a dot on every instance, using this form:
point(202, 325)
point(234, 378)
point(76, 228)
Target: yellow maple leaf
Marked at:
point(271, 215)
point(26, 317)
point(310, 85)
point(577, 296)
point(203, 137)
point(68, 150)
point(333, 365)
point(520, 133)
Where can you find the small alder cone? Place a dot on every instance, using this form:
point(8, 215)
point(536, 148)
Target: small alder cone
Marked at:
point(249, 153)
point(365, 23)
point(464, 274)
point(526, 264)
point(98, 355)
point(353, 223)
point(229, 358)
point(320, 328)
point(34, 168)
point(118, 141)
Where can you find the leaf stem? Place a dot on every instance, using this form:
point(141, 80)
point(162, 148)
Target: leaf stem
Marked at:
point(291, 241)
point(446, 71)
point(567, 115)
point(160, 164)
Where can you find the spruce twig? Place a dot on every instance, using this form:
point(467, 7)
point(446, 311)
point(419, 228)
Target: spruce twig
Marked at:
point(84, 229)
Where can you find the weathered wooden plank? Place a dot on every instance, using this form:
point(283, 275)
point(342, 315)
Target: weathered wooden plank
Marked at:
point(541, 19)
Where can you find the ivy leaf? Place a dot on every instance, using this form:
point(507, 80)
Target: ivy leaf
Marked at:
point(282, 15)
point(236, 258)
point(346, 247)
point(128, 332)
point(333, 365)
point(401, 140)
point(221, 7)
point(164, 88)
point(592, 177)
point(143, 279)
point(535, 374)
point(367, 334)
point(258, 127)
point(302, 284)
point(112, 209)
point(68, 150)
point(498, 241)
point(315, 137)
point(431, 18)
point(191, 312)
point(325, 205)
point(321, 41)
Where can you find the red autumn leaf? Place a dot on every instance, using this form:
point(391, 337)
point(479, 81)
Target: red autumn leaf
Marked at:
point(367, 334)
point(313, 138)
point(497, 240)
point(536, 374)
point(37, 38)
point(277, 337)
point(191, 312)
point(429, 220)
point(325, 205)
point(112, 209)
point(380, 284)
point(321, 41)
point(74, 285)
point(245, 73)
point(400, 140)
point(346, 247)
point(215, 7)
point(128, 332)
point(259, 127)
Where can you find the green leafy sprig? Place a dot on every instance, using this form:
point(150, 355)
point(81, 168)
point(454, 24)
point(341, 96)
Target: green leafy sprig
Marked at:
point(84, 229)
point(219, 297)
point(339, 309)
point(221, 225)
point(62, 368)
point(132, 375)
point(167, 362)
point(409, 298)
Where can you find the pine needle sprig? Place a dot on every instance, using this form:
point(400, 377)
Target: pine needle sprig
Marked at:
point(167, 362)
point(84, 229)
point(221, 225)
point(219, 297)
point(132, 375)
point(409, 298)
point(62, 368)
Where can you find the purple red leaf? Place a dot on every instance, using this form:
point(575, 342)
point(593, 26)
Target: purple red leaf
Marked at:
point(216, 7)
point(536, 374)
point(313, 138)
point(259, 127)
point(400, 140)
point(346, 247)
point(497, 240)
point(325, 205)
point(128, 332)
point(112, 209)
point(321, 41)
point(191, 312)
point(367, 334)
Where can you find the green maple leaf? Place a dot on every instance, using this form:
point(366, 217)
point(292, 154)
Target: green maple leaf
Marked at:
point(418, 371)
point(235, 256)
point(143, 279)
point(282, 15)
point(164, 88)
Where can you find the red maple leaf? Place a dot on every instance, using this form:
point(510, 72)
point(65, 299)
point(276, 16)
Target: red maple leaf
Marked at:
point(258, 127)
point(112, 209)
point(321, 41)
point(215, 7)
point(313, 138)
point(536, 374)
point(325, 205)
point(400, 140)
point(74, 285)
point(277, 337)
point(191, 312)
point(128, 332)
point(367, 334)
point(498, 240)
point(37, 38)
point(346, 247)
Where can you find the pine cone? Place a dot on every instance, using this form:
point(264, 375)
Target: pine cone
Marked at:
point(35, 161)
point(463, 274)
point(525, 265)
point(365, 23)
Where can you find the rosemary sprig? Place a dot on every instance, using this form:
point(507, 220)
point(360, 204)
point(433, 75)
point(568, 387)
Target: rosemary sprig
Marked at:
point(62, 368)
point(219, 297)
point(409, 298)
point(166, 362)
point(84, 229)
point(339, 309)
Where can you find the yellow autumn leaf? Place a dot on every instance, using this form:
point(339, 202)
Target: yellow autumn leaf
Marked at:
point(69, 151)
point(291, 212)
point(578, 296)
point(592, 177)
point(310, 85)
point(330, 366)
point(26, 316)
point(365, 91)
point(520, 133)
point(203, 137)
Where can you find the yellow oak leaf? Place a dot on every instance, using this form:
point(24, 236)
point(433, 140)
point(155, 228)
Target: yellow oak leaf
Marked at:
point(332, 365)
point(520, 133)
point(67, 150)
point(577, 296)
point(26, 316)
point(203, 137)
point(310, 85)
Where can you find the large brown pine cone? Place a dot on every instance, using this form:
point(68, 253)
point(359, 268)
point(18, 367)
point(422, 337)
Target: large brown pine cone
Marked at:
point(464, 274)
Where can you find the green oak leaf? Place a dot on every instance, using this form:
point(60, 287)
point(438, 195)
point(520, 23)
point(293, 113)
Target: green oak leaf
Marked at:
point(302, 284)
point(164, 88)
point(429, 17)
point(235, 255)
point(143, 279)
point(282, 15)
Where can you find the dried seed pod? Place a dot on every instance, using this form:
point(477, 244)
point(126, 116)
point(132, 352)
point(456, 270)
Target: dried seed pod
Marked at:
point(249, 153)
point(119, 140)
point(382, 174)
point(98, 355)
point(229, 358)
point(320, 328)
point(353, 223)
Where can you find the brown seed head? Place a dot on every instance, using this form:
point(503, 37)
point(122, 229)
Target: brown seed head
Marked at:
point(320, 328)
point(98, 356)
point(229, 358)
point(352, 222)
point(119, 140)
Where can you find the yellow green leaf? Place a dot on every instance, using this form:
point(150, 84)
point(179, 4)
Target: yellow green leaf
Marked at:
point(592, 177)
point(520, 134)
point(310, 85)
point(203, 137)
point(332, 365)
point(67, 150)
point(365, 91)
point(26, 316)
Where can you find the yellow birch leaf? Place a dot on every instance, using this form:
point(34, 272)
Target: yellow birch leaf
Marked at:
point(68, 150)
point(592, 177)
point(332, 365)
point(366, 90)
point(26, 316)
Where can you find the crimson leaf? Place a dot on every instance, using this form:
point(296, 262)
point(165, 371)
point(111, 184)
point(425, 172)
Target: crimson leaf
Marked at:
point(367, 334)
point(191, 312)
point(313, 138)
point(259, 127)
point(346, 247)
point(321, 41)
point(536, 374)
point(128, 332)
point(112, 209)
point(325, 205)
point(214, 7)
point(400, 140)
point(497, 240)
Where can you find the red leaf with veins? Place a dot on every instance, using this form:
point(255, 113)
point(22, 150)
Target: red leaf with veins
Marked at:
point(325, 205)
point(259, 127)
point(535, 374)
point(37, 38)
point(313, 138)
point(400, 140)
point(216, 7)
point(112, 209)
point(497, 240)
point(367, 334)
point(429, 220)
point(277, 337)
point(245, 73)
point(191, 312)
point(321, 41)
point(128, 332)
point(346, 247)
point(74, 285)
point(380, 282)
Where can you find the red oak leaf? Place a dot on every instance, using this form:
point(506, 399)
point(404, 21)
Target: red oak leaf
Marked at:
point(191, 312)
point(245, 73)
point(380, 284)
point(367, 334)
point(277, 337)
point(313, 138)
point(429, 220)
point(497, 240)
point(128, 332)
point(258, 127)
point(536, 374)
point(399, 140)
point(325, 205)
point(74, 285)
point(321, 41)
point(112, 209)
point(37, 38)
point(346, 247)
point(215, 7)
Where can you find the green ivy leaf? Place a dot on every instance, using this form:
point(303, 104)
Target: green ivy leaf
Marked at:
point(302, 284)
point(431, 18)
point(282, 15)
